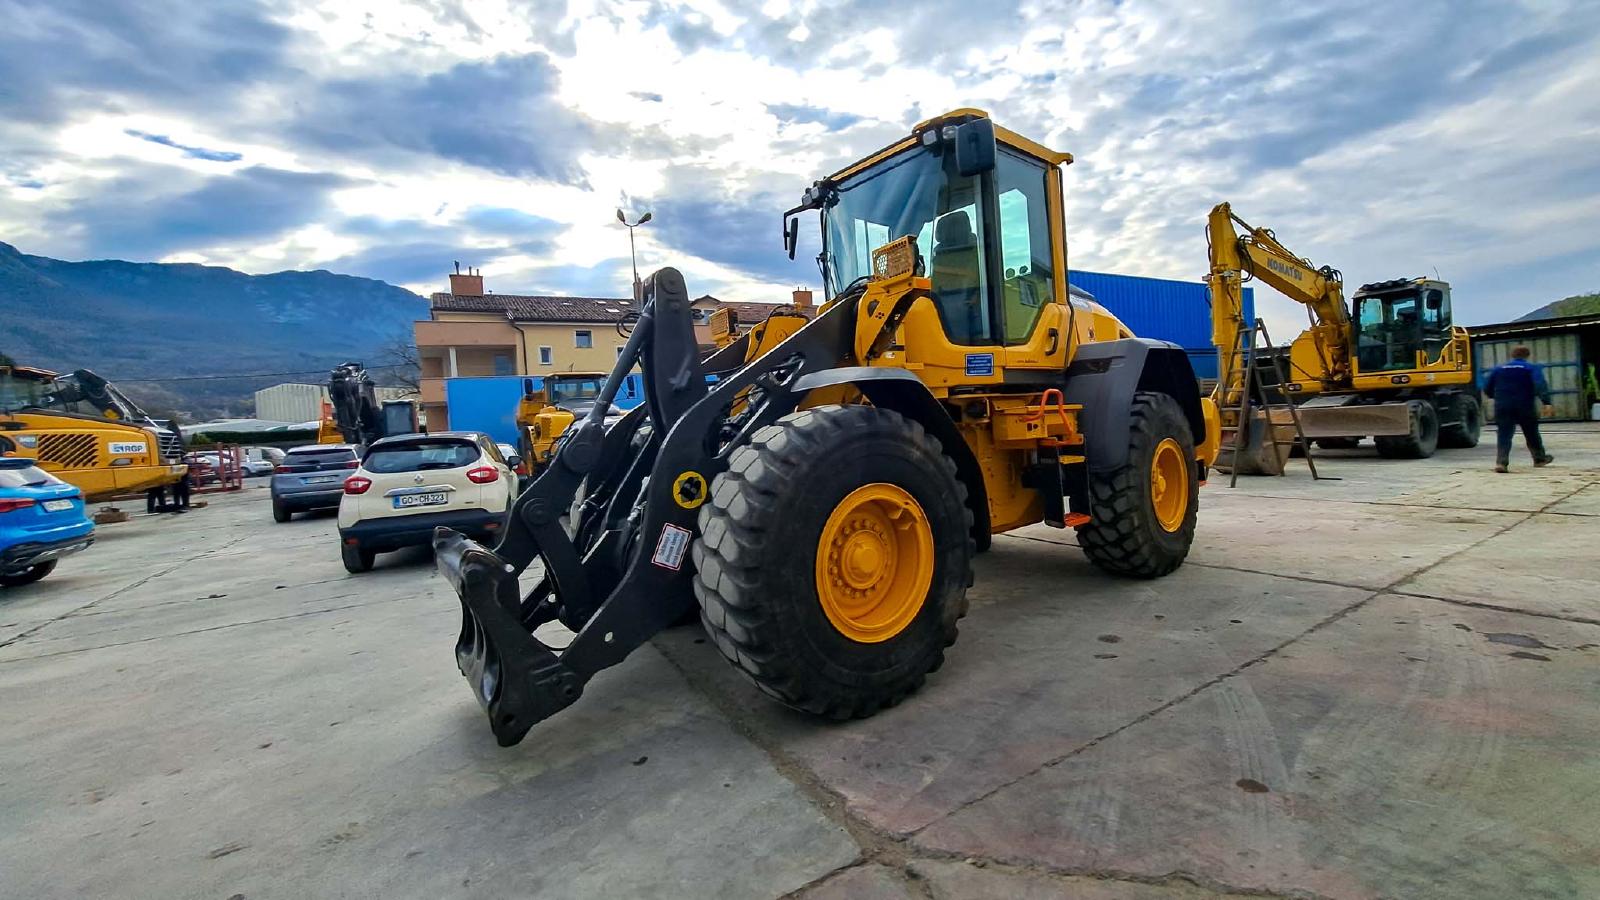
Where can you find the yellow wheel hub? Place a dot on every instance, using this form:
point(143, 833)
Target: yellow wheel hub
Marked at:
point(1169, 484)
point(874, 563)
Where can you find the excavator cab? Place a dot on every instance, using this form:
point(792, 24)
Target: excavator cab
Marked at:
point(1397, 320)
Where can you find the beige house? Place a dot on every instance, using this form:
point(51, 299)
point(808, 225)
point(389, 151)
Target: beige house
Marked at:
point(471, 333)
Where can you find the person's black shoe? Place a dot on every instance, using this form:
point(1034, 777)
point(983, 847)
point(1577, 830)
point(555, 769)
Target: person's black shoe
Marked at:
point(1543, 461)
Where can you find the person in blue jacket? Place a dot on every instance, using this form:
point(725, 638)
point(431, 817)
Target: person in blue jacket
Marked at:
point(1513, 386)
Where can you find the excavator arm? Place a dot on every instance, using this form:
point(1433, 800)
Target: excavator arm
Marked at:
point(1249, 252)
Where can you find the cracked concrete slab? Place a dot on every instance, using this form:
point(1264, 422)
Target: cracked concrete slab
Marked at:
point(338, 752)
point(1545, 565)
point(1051, 655)
point(1406, 750)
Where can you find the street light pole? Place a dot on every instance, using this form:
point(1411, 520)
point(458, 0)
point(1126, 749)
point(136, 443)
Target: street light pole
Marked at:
point(638, 286)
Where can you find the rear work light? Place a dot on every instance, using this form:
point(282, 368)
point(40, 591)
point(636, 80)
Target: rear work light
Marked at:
point(356, 484)
point(483, 475)
point(12, 504)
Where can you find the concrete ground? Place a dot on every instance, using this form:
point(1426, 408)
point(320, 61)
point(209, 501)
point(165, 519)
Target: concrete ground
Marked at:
point(1384, 686)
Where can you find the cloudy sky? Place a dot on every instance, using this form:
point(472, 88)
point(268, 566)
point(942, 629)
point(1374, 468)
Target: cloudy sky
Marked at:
point(386, 139)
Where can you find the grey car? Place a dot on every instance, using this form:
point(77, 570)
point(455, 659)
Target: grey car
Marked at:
point(311, 477)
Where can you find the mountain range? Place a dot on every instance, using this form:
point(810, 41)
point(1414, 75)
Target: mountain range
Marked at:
point(1579, 305)
point(142, 325)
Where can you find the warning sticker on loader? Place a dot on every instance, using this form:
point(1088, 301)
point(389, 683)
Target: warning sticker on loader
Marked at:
point(980, 364)
point(674, 543)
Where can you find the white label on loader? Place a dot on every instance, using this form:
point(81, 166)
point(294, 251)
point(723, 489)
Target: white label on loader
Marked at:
point(670, 549)
point(122, 447)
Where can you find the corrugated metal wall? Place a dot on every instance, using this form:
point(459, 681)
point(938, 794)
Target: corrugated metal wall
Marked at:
point(1176, 311)
point(290, 402)
point(299, 403)
point(1558, 354)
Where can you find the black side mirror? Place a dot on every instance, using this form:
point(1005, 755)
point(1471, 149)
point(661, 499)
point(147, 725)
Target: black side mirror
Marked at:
point(791, 235)
point(1435, 300)
point(974, 147)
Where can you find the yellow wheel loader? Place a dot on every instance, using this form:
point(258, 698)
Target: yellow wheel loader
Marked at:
point(1392, 365)
point(544, 413)
point(819, 504)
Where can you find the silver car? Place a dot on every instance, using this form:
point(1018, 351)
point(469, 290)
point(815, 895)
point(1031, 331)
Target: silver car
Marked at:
point(311, 477)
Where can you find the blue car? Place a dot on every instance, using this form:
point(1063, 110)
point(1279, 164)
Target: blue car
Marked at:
point(41, 520)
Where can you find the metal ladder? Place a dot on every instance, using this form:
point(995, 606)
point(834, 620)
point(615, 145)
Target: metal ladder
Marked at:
point(1247, 382)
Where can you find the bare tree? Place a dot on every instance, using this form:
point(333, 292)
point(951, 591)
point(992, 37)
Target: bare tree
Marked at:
point(402, 363)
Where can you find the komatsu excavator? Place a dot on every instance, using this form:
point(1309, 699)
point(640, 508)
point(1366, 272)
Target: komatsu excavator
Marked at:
point(1392, 365)
point(819, 504)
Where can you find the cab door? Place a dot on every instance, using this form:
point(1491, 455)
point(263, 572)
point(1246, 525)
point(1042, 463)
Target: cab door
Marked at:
point(1031, 259)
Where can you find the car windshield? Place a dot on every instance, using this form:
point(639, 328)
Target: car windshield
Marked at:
point(310, 458)
point(27, 476)
point(906, 195)
point(416, 456)
point(562, 391)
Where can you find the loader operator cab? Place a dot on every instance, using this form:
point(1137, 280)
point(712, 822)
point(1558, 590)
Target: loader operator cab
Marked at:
point(1397, 319)
point(982, 228)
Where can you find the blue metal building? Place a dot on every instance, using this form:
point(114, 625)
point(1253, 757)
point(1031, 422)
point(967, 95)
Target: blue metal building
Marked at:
point(489, 404)
point(1176, 311)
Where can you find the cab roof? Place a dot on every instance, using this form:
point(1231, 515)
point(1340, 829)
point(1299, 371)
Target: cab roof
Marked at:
point(954, 117)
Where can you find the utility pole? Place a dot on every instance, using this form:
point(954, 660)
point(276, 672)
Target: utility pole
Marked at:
point(638, 286)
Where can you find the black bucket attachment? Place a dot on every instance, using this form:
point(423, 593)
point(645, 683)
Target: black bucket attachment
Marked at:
point(518, 680)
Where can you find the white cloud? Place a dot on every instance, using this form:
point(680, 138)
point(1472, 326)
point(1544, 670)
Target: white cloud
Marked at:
point(1460, 136)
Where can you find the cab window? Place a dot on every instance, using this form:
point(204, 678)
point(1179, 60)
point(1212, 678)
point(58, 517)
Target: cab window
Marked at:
point(1026, 262)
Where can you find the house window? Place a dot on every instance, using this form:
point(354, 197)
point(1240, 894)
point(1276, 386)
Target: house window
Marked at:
point(547, 356)
point(583, 340)
point(502, 364)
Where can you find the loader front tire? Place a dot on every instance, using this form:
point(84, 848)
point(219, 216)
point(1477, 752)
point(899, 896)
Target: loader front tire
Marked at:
point(1142, 513)
point(834, 558)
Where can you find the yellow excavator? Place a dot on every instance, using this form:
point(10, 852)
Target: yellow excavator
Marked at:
point(819, 501)
point(1392, 365)
point(83, 430)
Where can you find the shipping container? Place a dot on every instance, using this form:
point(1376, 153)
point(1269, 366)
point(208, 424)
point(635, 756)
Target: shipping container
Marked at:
point(1558, 354)
point(489, 404)
point(1160, 308)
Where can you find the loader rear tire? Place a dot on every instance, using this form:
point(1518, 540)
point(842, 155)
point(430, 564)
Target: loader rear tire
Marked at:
point(1420, 443)
point(1142, 514)
point(831, 482)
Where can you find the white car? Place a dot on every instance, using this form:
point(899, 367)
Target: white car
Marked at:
point(408, 485)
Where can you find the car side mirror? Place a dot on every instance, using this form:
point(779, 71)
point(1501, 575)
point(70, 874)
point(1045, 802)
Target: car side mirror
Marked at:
point(513, 461)
point(974, 147)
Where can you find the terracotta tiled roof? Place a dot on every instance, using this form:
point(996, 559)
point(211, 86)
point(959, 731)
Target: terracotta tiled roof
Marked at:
point(524, 308)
